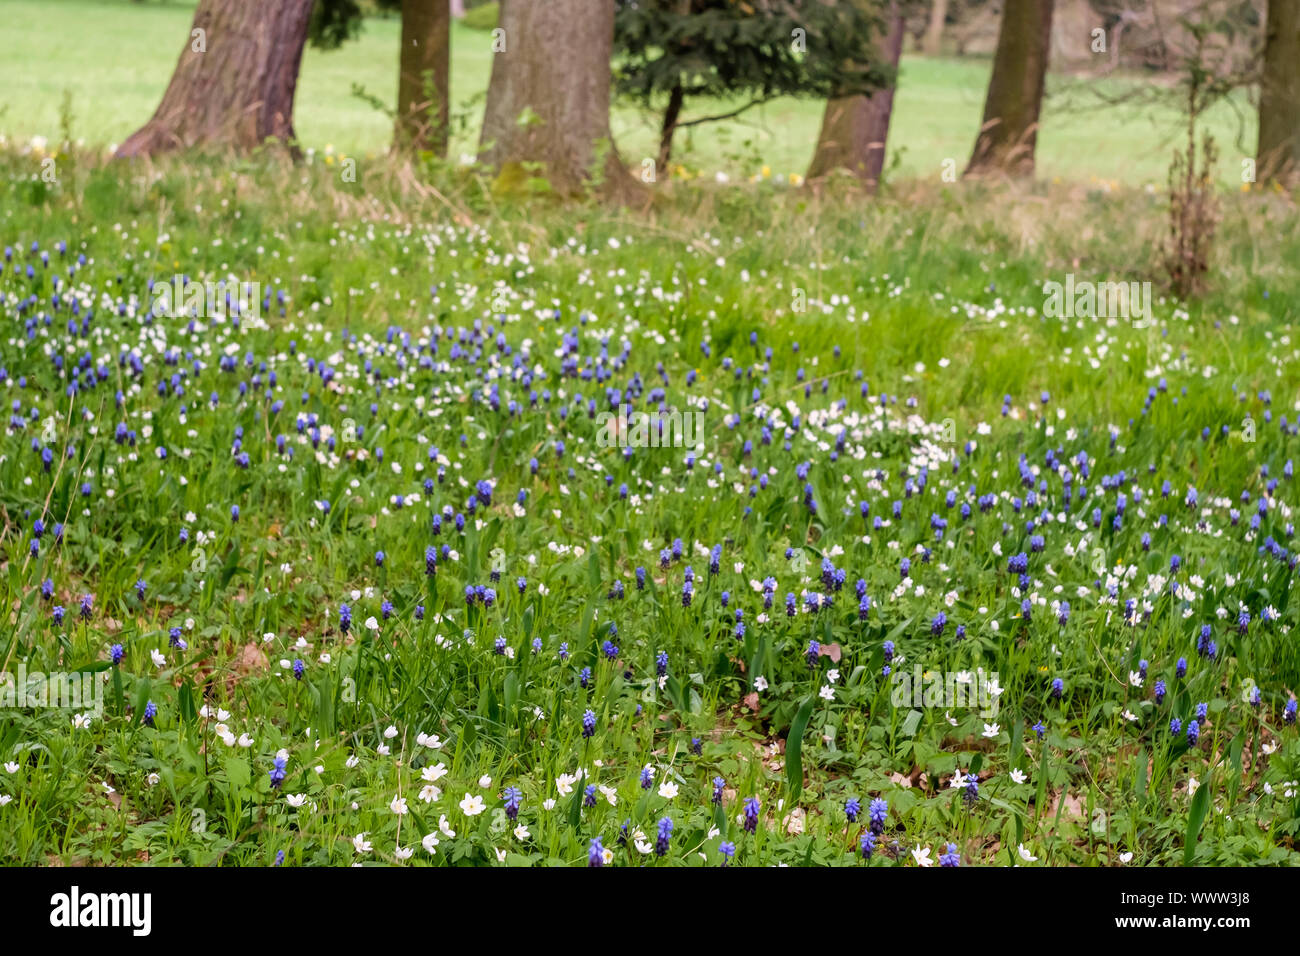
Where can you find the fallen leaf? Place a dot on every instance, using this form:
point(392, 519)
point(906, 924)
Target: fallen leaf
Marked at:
point(1073, 806)
point(251, 659)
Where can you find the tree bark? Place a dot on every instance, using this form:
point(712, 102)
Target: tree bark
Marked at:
point(234, 84)
point(671, 115)
point(548, 98)
point(855, 128)
point(1009, 133)
point(1278, 154)
point(932, 43)
point(423, 72)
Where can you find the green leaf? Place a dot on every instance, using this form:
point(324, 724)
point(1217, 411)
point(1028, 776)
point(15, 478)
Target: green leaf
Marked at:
point(467, 737)
point(898, 629)
point(1196, 817)
point(756, 662)
point(238, 773)
point(910, 723)
point(1040, 797)
point(794, 748)
point(117, 690)
point(511, 693)
point(142, 686)
point(1234, 751)
point(185, 702)
point(674, 688)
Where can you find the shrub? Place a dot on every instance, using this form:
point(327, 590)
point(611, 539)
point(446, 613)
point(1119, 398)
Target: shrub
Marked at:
point(482, 17)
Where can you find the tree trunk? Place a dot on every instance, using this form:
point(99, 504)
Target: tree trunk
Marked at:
point(1009, 132)
point(671, 115)
point(1278, 155)
point(548, 98)
point(855, 128)
point(932, 43)
point(423, 107)
point(234, 83)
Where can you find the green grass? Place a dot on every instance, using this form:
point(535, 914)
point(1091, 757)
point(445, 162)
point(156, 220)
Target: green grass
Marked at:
point(114, 57)
point(909, 328)
point(934, 297)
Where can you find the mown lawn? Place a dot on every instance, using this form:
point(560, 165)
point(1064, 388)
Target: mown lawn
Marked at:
point(112, 59)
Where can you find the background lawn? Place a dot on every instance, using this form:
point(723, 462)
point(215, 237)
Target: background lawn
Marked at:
point(114, 59)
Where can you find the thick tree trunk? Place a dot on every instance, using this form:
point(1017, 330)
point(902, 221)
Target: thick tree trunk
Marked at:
point(548, 99)
point(671, 115)
point(855, 128)
point(932, 43)
point(234, 83)
point(1278, 155)
point(423, 87)
point(1009, 132)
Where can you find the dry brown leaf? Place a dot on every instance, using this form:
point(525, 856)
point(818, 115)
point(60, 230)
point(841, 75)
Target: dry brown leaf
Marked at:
point(1073, 806)
point(250, 659)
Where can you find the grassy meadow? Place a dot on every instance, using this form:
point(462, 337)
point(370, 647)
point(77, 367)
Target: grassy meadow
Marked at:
point(376, 560)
